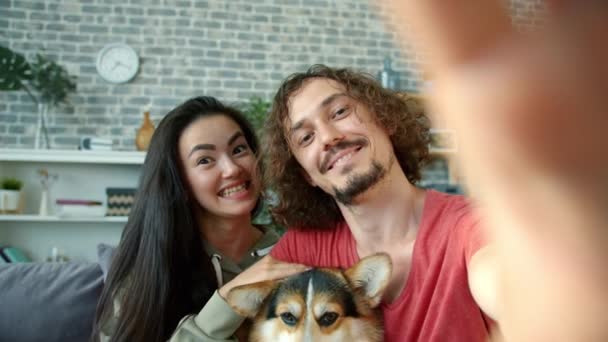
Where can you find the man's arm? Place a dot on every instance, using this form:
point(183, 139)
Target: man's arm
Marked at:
point(483, 280)
point(530, 111)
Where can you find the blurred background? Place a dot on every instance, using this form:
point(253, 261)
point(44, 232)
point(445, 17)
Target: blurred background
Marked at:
point(235, 50)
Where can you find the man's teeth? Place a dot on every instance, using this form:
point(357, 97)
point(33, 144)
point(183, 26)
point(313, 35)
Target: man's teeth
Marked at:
point(234, 189)
point(343, 159)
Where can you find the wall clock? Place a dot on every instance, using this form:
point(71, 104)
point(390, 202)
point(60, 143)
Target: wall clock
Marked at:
point(117, 63)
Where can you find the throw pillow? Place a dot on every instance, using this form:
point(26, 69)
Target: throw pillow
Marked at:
point(105, 253)
point(48, 301)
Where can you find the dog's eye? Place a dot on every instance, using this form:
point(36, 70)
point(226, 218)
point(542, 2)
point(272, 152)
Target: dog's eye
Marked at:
point(288, 318)
point(328, 319)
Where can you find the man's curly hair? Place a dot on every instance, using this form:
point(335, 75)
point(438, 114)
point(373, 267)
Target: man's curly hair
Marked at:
point(304, 206)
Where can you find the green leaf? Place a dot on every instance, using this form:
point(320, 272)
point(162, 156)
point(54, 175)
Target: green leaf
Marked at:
point(51, 80)
point(11, 184)
point(14, 69)
point(256, 110)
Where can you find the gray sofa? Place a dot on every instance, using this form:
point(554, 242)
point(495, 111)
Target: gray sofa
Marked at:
point(51, 301)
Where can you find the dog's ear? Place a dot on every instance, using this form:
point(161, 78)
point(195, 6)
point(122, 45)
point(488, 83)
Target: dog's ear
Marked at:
point(371, 276)
point(246, 300)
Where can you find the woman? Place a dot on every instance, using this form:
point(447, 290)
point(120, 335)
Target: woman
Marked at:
point(189, 235)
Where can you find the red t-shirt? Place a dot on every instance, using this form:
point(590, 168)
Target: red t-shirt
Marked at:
point(436, 303)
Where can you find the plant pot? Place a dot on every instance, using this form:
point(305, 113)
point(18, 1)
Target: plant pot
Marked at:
point(10, 201)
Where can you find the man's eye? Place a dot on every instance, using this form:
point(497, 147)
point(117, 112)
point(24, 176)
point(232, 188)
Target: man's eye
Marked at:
point(240, 149)
point(304, 140)
point(341, 112)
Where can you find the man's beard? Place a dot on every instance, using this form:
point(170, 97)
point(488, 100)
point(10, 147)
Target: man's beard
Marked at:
point(359, 183)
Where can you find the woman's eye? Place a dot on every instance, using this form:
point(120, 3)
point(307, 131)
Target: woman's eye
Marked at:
point(240, 149)
point(204, 161)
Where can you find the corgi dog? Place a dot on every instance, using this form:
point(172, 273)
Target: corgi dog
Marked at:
point(322, 304)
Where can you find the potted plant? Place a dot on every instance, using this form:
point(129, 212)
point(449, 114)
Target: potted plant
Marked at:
point(10, 194)
point(256, 110)
point(46, 82)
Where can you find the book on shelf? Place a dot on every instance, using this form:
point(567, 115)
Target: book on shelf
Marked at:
point(95, 143)
point(14, 254)
point(3, 259)
point(68, 201)
point(80, 208)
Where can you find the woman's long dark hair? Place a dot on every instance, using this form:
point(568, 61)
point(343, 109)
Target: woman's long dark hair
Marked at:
point(160, 271)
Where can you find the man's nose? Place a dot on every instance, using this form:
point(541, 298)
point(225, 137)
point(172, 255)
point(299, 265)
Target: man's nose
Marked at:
point(329, 136)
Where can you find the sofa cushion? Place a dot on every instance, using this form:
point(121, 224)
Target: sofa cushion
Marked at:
point(48, 301)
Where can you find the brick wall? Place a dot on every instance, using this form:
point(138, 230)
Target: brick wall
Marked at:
point(232, 49)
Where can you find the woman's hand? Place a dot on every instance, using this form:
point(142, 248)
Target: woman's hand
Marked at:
point(531, 115)
point(266, 268)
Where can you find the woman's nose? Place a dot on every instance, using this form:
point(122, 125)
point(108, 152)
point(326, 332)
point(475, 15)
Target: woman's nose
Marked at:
point(230, 168)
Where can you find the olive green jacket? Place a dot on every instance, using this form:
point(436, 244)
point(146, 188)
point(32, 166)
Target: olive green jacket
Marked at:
point(216, 321)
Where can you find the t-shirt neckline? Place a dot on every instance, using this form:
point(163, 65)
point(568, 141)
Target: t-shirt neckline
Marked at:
point(423, 225)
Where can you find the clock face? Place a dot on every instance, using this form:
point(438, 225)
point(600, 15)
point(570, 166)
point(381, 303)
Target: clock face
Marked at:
point(117, 63)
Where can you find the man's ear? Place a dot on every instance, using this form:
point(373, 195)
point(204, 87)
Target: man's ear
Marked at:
point(246, 300)
point(371, 276)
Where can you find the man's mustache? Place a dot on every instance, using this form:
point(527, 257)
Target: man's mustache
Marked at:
point(337, 148)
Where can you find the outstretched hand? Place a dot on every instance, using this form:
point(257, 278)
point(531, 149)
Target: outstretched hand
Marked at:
point(531, 113)
point(266, 268)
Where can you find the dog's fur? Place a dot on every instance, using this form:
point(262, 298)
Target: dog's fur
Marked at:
point(322, 304)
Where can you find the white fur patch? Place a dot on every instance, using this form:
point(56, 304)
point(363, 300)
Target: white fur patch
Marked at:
point(373, 273)
point(309, 320)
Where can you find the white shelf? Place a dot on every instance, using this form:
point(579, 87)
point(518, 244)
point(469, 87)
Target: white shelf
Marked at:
point(38, 218)
point(73, 156)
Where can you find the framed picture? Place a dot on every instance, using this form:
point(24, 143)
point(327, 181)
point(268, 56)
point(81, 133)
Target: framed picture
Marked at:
point(443, 141)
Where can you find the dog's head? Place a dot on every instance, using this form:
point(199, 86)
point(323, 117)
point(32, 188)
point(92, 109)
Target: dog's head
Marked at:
point(322, 304)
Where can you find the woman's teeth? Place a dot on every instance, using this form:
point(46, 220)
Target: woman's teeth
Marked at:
point(232, 190)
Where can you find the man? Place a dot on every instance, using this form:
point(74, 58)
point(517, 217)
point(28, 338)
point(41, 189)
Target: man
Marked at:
point(344, 154)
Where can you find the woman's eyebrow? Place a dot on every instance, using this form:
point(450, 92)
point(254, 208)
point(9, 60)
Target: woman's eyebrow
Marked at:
point(201, 147)
point(235, 136)
point(212, 147)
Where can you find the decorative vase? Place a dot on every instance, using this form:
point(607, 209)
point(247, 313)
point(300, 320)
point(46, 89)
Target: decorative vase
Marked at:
point(144, 133)
point(44, 200)
point(42, 135)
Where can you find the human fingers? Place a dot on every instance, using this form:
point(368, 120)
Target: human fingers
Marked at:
point(265, 269)
point(454, 31)
point(534, 135)
point(272, 269)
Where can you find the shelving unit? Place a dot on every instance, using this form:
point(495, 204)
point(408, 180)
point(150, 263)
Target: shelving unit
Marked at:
point(416, 103)
point(72, 156)
point(81, 175)
point(39, 218)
